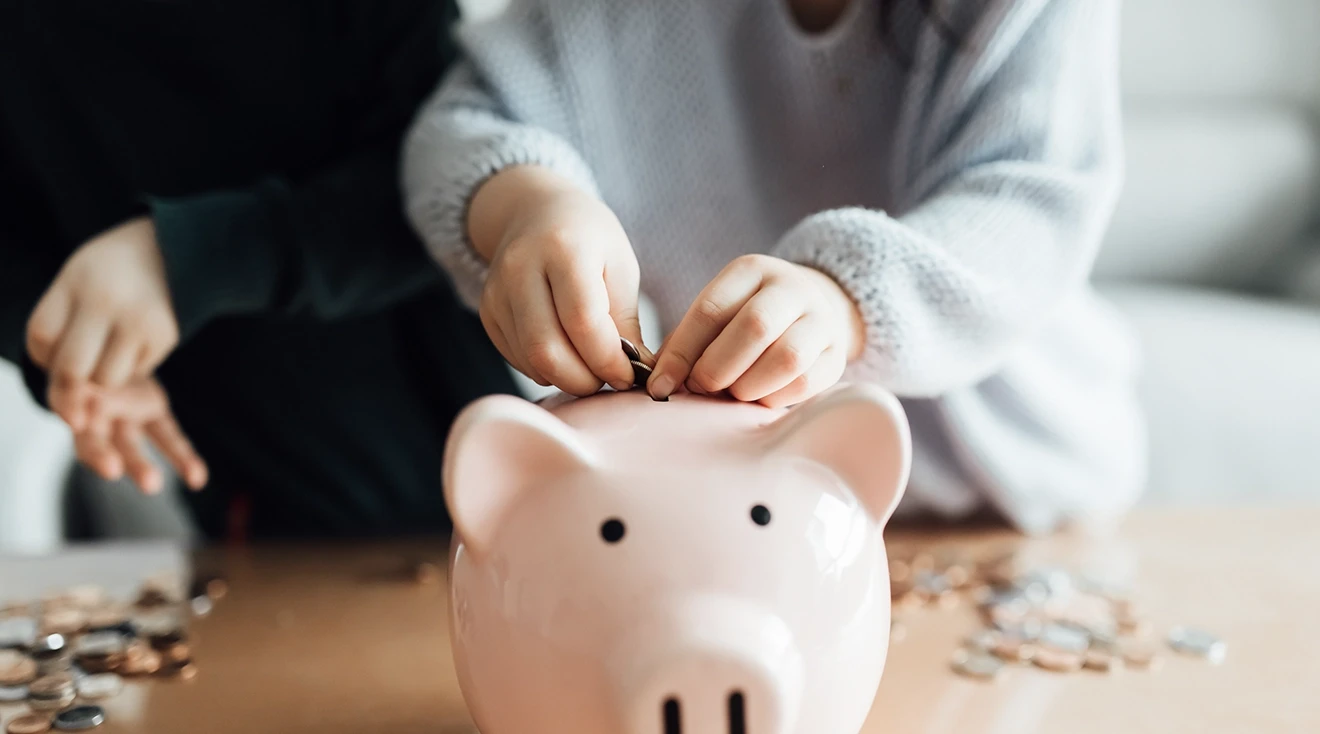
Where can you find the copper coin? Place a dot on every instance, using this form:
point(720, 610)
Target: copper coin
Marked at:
point(1142, 656)
point(87, 596)
point(15, 609)
point(922, 562)
point(51, 686)
point(176, 653)
point(1014, 650)
point(65, 622)
point(111, 615)
point(899, 571)
point(16, 669)
point(1057, 661)
point(146, 663)
point(52, 704)
point(183, 670)
point(150, 598)
point(1101, 662)
point(217, 588)
point(29, 724)
point(165, 640)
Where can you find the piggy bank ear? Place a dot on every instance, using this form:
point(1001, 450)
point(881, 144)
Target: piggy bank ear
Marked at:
point(499, 448)
point(860, 433)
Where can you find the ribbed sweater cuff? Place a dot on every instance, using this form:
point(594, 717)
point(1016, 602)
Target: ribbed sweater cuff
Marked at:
point(439, 211)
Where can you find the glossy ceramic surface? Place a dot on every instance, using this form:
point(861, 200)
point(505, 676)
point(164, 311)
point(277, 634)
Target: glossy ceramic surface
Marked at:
point(699, 565)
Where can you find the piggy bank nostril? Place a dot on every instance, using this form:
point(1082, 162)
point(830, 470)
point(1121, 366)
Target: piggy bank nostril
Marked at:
point(737, 713)
point(612, 530)
point(761, 515)
point(673, 716)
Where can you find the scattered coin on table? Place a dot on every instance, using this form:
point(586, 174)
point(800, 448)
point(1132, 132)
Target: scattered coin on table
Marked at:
point(1046, 617)
point(29, 724)
point(81, 643)
point(79, 718)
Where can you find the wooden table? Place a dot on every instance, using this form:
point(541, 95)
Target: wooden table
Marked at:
point(332, 640)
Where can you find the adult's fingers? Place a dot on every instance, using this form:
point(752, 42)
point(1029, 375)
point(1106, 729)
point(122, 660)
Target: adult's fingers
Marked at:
point(178, 451)
point(582, 304)
point(819, 377)
point(46, 324)
point(127, 440)
point(543, 342)
point(757, 325)
point(789, 357)
point(95, 450)
point(80, 346)
point(119, 359)
point(722, 298)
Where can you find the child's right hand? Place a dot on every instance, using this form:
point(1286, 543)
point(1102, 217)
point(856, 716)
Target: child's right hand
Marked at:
point(563, 280)
point(111, 441)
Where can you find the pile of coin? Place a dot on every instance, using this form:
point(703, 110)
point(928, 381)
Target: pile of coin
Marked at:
point(1049, 618)
point(77, 646)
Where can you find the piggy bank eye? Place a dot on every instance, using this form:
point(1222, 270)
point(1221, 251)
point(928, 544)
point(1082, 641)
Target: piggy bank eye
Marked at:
point(761, 515)
point(612, 530)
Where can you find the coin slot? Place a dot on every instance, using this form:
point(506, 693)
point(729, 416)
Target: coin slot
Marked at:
point(737, 714)
point(612, 530)
point(673, 717)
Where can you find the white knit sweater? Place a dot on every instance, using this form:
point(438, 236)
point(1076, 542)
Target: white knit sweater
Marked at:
point(959, 198)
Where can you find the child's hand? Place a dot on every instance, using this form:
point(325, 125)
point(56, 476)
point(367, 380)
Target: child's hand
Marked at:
point(118, 422)
point(563, 280)
point(764, 329)
point(107, 317)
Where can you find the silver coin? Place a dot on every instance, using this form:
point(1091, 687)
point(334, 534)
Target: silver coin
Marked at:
point(101, 685)
point(631, 350)
point(641, 374)
point(1064, 639)
point(1199, 643)
point(49, 643)
point(201, 605)
point(977, 664)
point(932, 583)
point(158, 622)
point(1012, 601)
point(13, 694)
point(18, 632)
point(100, 643)
point(983, 640)
point(79, 718)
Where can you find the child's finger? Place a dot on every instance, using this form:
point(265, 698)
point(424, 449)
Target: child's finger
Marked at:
point(499, 327)
point(127, 439)
point(178, 450)
point(95, 451)
point(80, 346)
point(704, 321)
point(46, 324)
point(583, 307)
point(792, 355)
point(757, 325)
point(820, 377)
point(543, 342)
point(118, 360)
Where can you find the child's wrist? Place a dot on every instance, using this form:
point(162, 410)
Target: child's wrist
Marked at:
point(506, 200)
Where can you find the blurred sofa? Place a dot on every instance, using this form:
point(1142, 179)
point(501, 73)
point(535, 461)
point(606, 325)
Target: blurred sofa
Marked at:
point(1214, 255)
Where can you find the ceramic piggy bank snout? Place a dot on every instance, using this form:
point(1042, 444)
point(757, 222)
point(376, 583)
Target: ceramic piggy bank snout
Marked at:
point(696, 567)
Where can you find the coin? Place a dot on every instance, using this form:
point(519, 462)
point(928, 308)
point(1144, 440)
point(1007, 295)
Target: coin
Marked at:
point(182, 670)
point(167, 639)
point(1064, 639)
point(1057, 661)
point(106, 617)
point(631, 350)
point(13, 694)
point(51, 704)
point(899, 572)
point(16, 668)
point(87, 596)
point(1198, 643)
point(29, 724)
point(216, 587)
point(1142, 656)
point(145, 662)
point(64, 621)
point(18, 632)
point(641, 373)
point(983, 641)
point(176, 653)
point(974, 664)
point(95, 644)
point(1099, 661)
point(51, 686)
point(104, 685)
point(80, 718)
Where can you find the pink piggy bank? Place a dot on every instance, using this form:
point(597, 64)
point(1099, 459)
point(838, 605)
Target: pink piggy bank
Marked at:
point(631, 567)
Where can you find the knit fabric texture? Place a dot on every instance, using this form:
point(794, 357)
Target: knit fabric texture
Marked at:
point(958, 191)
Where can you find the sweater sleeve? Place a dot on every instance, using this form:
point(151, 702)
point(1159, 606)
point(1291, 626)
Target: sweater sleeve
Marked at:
point(330, 242)
point(462, 137)
point(1008, 207)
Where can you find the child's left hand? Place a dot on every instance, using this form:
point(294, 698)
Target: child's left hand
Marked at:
point(766, 330)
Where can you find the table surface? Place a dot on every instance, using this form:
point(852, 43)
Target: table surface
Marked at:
point(333, 640)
